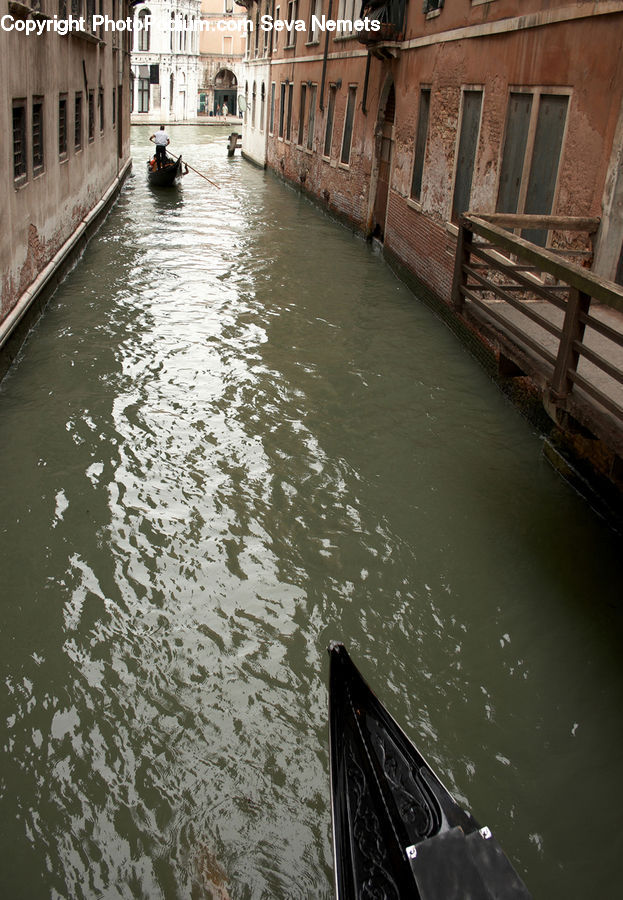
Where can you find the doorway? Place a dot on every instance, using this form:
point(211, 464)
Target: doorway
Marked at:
point(385, 147)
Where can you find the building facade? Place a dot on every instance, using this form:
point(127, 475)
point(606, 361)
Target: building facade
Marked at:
point(486, 105)
point(222, 52)
point(257, 82)
point(165, 61)
point(65, 112)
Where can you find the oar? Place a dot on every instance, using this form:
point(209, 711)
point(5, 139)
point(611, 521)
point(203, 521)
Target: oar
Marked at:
point(202, 175)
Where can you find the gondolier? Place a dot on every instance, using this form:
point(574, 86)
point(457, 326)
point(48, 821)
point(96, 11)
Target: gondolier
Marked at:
point(161, 140)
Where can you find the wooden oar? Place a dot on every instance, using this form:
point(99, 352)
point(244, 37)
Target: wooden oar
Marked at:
point(201, 174)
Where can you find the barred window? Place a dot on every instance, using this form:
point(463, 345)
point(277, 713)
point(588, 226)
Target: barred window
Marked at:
point(78, 121)
point(91, 115)
point(62, 125)
point(20, 170)
point(328, 135)
point(37, 135)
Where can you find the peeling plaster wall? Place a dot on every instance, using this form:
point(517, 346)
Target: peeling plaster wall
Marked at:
point(38, 216)
point(580, 54)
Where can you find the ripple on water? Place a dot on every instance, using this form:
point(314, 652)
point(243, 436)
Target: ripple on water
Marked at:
point(219, 452)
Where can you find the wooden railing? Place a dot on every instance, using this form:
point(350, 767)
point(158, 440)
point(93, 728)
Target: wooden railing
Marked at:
point(542, 303)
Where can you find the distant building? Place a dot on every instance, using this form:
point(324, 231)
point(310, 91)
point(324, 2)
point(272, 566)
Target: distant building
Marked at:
point(257, 82)
point(222, 49)
point(65, 115)
point(165, 61)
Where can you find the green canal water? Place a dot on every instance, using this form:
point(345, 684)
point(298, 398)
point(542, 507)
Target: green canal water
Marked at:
point(232, 437)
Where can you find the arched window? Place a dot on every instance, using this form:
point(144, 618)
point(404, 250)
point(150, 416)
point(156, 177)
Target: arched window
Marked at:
point(171, 85)
point(143, 35)
point(253, 98)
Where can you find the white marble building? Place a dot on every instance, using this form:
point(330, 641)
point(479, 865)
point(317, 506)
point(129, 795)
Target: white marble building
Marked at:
point(165, 61)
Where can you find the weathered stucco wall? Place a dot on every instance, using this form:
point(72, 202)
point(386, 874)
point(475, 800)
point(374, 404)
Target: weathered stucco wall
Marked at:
point(41, 211)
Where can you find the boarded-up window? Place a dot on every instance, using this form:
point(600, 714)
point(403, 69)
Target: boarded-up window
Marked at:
point(420, 143)
point(466, 157)
point(289, 122)
point(328, 134)
point(550, 129)
point(311, 124)
point(282, 108)
point(348, 124)
point(302, 114)
point(511, 174)
point(535, 126)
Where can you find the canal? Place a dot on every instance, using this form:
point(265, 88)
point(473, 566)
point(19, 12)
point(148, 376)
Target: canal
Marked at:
point(232, 437)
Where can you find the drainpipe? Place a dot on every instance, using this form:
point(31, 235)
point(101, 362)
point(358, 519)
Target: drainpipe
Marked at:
point(324, 61)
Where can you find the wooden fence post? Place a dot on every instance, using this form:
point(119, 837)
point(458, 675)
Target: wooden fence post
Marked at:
point(572, 330)
point(463, 254)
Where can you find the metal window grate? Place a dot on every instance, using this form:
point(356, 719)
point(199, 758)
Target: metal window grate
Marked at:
point(78, 122)
point(62, 126)
point(37, 136)
point(19, 141)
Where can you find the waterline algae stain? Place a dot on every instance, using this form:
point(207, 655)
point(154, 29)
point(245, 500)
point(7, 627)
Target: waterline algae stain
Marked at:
point(233, 436)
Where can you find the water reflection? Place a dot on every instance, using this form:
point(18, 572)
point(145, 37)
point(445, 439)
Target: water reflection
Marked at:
point(220, 452)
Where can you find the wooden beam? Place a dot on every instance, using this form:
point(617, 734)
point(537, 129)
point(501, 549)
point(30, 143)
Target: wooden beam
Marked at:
point(589, 224)
point(547, 261)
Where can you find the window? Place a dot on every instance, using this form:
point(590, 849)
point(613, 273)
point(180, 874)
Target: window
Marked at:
point(346, 12)
point(78, 121)
point(114, 107)
point(262, 105)
point(289, 120)
point(348, 125)
point(535, 127)
point(143, 95)
point(62, 126)
point(302, 114)
point(421, 136)
point(271, 122)
point(312, 116)
point(143, 35)
point(257, 30)
point(432, 6)
point(62, 9)
point(291, 18)
point(313, 29)
point(228, 45)
point(328, 134)
point(90, 10)
point(282, 108)
point(466, 155)
point(100, 108)
point(37, 135)
point(20, 170)
point(91, 115)
point(253, 104)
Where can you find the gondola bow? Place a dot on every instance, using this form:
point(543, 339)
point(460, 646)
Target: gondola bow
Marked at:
point(397, 832)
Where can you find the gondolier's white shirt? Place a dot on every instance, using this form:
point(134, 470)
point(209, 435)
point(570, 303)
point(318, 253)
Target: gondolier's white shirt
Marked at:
point(161, 138)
